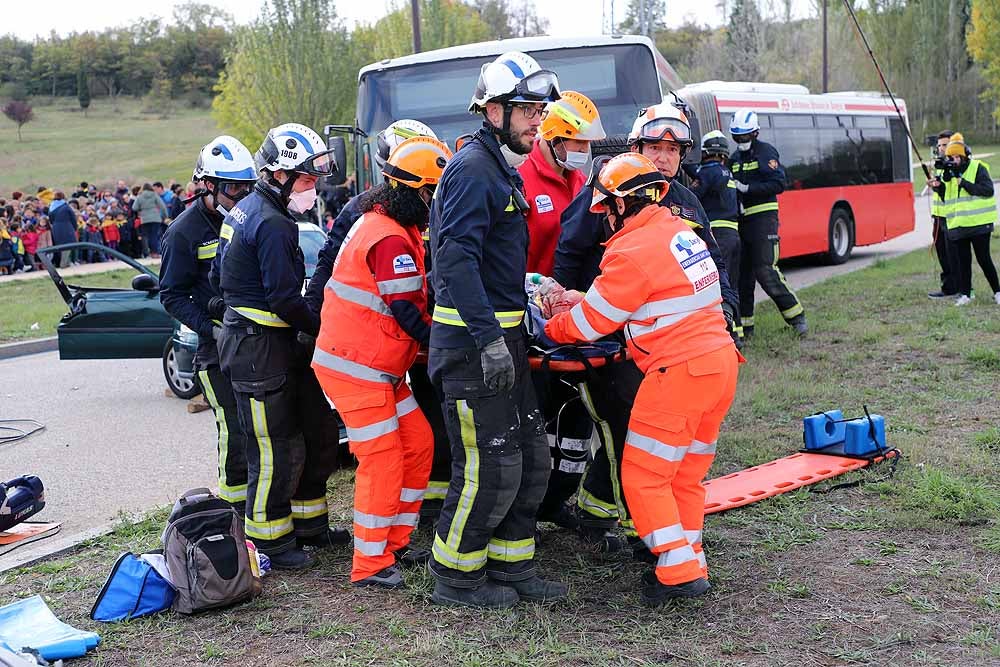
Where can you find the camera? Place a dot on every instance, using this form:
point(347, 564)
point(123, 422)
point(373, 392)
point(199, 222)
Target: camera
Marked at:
point(941, 163)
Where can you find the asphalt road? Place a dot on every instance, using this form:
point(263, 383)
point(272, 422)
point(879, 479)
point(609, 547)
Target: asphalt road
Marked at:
point(114, 443)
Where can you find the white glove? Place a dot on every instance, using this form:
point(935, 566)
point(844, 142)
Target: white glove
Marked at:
point(741, 186)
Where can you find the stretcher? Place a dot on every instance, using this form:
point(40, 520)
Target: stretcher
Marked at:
point(25, 533)
point(567, 358)
point(783, 475)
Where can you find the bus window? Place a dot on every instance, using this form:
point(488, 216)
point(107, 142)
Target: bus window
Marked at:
point(873, 144)
point(901, 169)
point(799, 149)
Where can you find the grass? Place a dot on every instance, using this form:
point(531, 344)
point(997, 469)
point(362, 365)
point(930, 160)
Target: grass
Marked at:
point(62, 147)
point(25, 303)
point(899, 571)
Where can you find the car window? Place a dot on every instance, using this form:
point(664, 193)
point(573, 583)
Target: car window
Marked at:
point(311, 241)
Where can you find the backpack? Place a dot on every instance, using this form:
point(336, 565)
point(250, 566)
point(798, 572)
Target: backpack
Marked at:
point(206, 554)
point(134, 589)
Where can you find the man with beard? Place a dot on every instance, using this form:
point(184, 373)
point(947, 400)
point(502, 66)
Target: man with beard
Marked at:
point(484, 547)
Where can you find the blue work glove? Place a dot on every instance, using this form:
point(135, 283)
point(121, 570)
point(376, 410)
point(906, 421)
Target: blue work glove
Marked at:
point(536, 327)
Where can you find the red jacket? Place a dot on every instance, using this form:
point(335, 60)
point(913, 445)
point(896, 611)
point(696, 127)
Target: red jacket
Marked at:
point(548, 195)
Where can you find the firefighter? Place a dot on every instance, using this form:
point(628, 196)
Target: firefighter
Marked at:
point(224, 174)
point(970, 209)
point(713, 184)
point(484, 547)
point(659, 283)
point(292, 432)
point(760, 178)
point(379, 288)
point(662, 134)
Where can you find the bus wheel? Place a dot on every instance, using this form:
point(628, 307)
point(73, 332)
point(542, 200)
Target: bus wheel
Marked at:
point(841, 237)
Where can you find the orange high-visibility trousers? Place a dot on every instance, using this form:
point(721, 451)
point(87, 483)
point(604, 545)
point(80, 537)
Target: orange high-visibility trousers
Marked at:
point(668, 450)
point(394, 445)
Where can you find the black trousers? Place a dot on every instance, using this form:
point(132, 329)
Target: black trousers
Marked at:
point(946, 256)
point(610, 395)
point(291, 429)
point(232, 442)
point(731, 248)
point(500, 467)
point(429, 400)
point(568, 428)
point(759, 264)
point(964, 247)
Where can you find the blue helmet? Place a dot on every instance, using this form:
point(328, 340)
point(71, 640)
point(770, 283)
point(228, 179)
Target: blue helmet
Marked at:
point(744, 122)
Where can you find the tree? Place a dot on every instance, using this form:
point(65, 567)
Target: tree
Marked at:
point(644, 17)
point(296, 62)
point(83, 89)
point(505, 19)
point(984, 45)
point(743, 45)
point(20, 112)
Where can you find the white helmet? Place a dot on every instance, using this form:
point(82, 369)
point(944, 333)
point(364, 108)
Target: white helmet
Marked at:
point(744, 122)
point(294, 147)
point(659, 121)
point(514, 77)
point(397, 133)
point(225, 158)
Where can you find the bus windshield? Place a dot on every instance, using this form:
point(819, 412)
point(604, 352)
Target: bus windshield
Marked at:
point(619, 78)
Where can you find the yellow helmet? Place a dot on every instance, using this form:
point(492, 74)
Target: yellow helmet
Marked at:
point(627, 174)
point(572, 116)
point(417, 162)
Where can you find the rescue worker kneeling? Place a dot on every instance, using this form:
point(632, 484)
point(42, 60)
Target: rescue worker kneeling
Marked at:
point(667, 297)
point(374, 319)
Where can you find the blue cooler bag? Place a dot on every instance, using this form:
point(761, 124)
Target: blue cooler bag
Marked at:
point(133, 590)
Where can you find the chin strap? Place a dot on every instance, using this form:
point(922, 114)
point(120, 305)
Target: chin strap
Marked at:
point(284, 189)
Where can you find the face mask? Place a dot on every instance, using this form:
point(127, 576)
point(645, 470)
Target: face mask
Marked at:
point(515, 160)
point(300, 202)
point(574, 160)
point(744, 145)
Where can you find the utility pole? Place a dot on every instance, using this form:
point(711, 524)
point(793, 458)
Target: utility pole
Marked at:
point(415, 17)
point(642, 17)
point(825, 61)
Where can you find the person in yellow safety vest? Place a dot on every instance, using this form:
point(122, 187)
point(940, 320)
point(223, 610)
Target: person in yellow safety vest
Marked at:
point(943, 248)
point(970, 210)
point(373, 321)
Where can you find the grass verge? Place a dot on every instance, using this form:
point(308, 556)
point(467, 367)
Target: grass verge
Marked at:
point(897, 571)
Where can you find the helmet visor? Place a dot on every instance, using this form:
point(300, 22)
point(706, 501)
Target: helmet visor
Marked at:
point(671, 129)
point(540, 86)
point(235, 190)
point(321, 165)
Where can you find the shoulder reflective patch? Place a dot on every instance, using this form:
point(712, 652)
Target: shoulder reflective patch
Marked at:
point(226, 231)
point(543, 203)
point(208, 249)
point(696, 261)
point(403, 264)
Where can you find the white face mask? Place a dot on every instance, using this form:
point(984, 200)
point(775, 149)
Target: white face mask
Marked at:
point(574, 160)
point(515, 160)
point(300, 202)
point(744, 146)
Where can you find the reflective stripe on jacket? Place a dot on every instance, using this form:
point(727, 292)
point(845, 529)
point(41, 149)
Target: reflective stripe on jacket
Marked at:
point(356, 324)
point(666, 296)
point(961, 209)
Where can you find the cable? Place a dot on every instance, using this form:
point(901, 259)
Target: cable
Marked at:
point(19, 433)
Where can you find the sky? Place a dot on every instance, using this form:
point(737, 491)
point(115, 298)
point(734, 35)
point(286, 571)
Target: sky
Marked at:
point(24, 19)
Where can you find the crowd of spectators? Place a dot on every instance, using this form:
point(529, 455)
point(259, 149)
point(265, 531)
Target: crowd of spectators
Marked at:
point(129, 219)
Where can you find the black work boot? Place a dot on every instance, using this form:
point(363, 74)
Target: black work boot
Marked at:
point(564, 517)
point(537, 589)
point(747, 334)
point(799, 324)
point(409, 557)
point(488, 594)
point(334, 537)
point(293, 559)
point(656, 593)
point(389, 577)
point(603, 541)
point(640, 552)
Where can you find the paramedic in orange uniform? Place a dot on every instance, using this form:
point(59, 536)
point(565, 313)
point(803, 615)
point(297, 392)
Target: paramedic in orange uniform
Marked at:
point(659, 283)
point(556, 170)
point(373, 320)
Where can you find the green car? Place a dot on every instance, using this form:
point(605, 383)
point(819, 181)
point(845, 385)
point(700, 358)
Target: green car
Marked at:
point(122, 323)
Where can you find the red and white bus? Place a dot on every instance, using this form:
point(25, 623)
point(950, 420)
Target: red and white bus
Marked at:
point(845, 155)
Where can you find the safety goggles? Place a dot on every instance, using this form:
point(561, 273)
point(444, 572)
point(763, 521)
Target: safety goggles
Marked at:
point(321, 165)
point(235, 190)
point(537, 87)
point(666, 129)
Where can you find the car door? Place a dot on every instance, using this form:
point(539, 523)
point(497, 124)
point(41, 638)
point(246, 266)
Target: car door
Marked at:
point(110, 322)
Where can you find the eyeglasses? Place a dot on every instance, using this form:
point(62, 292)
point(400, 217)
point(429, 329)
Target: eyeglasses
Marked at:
point(530, 110)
